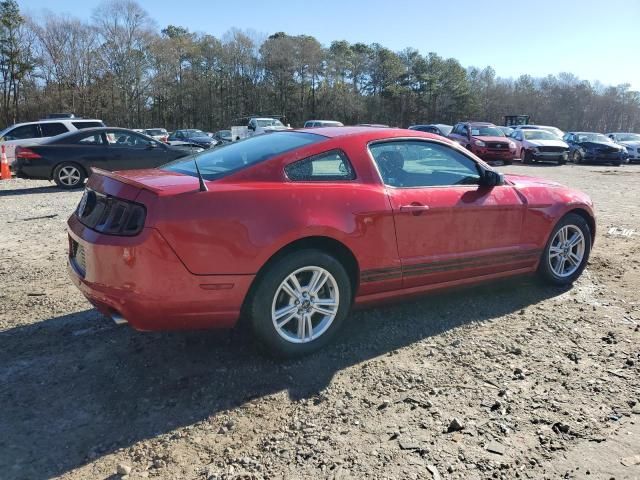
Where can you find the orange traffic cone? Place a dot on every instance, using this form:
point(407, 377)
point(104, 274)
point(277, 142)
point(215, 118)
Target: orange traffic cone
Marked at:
point(5, 172)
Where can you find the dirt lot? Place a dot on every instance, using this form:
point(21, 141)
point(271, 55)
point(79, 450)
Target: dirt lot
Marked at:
point(542, 382)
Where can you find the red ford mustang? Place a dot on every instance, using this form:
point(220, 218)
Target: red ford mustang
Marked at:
point(290, 229)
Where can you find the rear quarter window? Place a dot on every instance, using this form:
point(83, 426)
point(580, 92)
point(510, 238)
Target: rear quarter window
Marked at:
point(51, 129)
point(326, 167)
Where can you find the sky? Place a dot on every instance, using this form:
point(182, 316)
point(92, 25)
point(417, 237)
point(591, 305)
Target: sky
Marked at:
point(595, 40)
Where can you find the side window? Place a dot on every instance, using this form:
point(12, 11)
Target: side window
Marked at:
point(327, 167)
point(128, 139)
point(465, 130)
point(423, 164)
point(23, 132)
point(51, 129)
point(93, 139)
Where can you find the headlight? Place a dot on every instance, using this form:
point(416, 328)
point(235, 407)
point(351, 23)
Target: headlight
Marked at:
point(512, 145)
point(480, 143)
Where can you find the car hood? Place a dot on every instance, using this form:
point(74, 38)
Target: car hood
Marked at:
point(526, 181)
point(547, 143)
point(599, 145)
point(633, 143)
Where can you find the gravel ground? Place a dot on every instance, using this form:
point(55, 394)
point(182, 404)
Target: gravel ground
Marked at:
point(509, 380)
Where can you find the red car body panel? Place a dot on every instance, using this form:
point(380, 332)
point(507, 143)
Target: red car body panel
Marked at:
point(200, 251)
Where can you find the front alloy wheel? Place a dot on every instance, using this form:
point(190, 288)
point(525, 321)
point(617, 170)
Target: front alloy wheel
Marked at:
point(567, 251)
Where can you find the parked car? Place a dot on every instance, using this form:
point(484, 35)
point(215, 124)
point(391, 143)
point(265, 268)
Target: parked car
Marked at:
point(506, 130)
point(554, 130)
point(594, 147)
point(631, 141)
point(67, 159)
point(374, 125)
point(192, 135)
point(38, 132)
point(322, 123)
point(223, 136)
point(435, 128)
point(159, 134)
point(539, 145)
point(294, 227)
point(485, 140)
point(246, 127)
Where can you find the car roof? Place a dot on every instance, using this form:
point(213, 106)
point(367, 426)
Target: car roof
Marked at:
point(370, 133)
point(485, 124)
point(56, 120)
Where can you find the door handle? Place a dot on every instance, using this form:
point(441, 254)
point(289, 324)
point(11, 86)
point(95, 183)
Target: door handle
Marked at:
point(414, 208)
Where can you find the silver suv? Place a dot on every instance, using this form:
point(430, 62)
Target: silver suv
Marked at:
point(30, 133)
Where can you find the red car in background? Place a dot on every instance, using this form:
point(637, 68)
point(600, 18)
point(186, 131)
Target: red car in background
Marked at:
point(485, 140)
point(292, 228)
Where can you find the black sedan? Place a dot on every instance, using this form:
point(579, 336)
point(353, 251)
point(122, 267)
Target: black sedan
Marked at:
point(67, 159)
point(594, 147)
point(192, 135)
point(436, 128)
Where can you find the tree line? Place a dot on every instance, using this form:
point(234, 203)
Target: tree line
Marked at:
point(119, 67)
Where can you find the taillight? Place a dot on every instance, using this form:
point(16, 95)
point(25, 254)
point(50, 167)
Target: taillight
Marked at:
point(110, 215)
point(26, 153)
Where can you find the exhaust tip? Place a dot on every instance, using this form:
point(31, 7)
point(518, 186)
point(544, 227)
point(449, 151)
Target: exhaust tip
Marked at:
point(119, 319)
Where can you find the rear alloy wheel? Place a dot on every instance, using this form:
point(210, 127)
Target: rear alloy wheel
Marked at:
point(69, 175)
point(300, 302)
point(567, 251)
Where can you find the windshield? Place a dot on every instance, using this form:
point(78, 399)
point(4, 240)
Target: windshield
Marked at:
point(445, 129)
point(555, 131)
point(539, 135)
point(628, 137)
point(269, 122)
point(224, 133)
point(194, 133)
point(592, 137)
point(217, 163)
point(486, 132)
point(155, 131)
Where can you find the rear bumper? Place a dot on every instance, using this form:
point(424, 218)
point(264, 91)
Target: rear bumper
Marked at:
point(141, 280)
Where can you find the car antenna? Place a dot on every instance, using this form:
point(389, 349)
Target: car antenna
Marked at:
point(203, 186)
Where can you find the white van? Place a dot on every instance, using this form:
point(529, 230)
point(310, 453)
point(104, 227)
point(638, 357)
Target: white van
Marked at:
point(36, 132)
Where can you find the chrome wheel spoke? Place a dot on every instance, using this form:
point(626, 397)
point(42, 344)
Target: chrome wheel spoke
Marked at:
point(284, 311)
point(323, 311)
point(289, 290)
point(288, 319)
point(317, 282)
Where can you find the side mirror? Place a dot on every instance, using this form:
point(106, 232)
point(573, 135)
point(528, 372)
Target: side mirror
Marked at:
point(491, 178)
point(251, 127)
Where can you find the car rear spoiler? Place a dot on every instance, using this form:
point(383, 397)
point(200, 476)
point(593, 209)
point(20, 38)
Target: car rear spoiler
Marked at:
point(123, 179)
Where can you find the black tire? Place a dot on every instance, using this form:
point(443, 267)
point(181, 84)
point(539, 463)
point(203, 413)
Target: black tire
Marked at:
point(617, 164)
point(259, 308)
point(507, 162)
point(69, 175)
point(576, 157)
point(527, 158)
point(544, 269)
